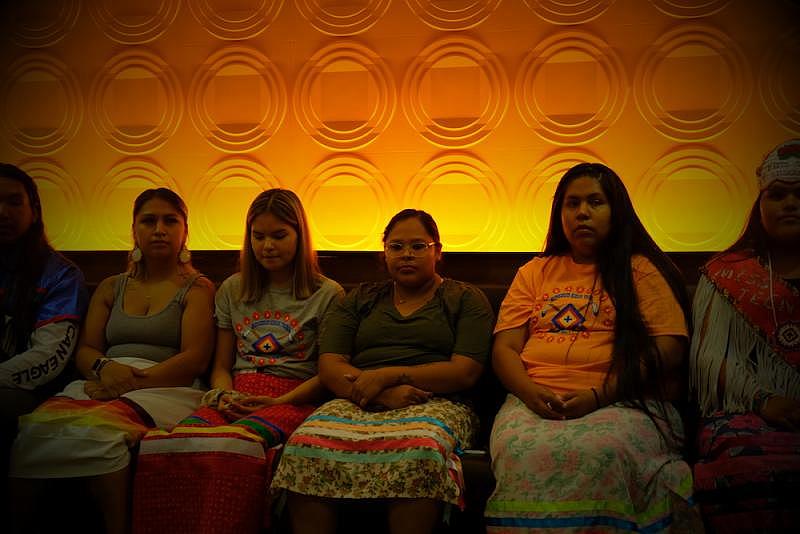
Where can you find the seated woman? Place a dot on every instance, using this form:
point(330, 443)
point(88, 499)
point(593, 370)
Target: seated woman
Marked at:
point(745, 363)
point(591, 343)
point(148, 335)
point(264, 379)
point(42, 300)
point(395, 354)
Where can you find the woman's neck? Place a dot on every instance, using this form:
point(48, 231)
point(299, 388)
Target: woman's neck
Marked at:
point(158, 271)
point(405, 293)
point(281, 279)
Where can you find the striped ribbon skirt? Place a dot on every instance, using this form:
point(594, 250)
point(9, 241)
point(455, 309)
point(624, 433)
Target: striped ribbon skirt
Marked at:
point(342, 451)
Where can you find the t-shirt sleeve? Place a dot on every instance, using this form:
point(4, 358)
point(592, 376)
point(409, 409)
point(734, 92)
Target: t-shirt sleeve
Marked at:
point(222, 304)
point(340, 325)
point(65, 299)
point(473, 328)
point(518, 303)
point(660, 310)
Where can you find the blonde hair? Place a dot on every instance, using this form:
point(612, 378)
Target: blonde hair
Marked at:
point(286, 206)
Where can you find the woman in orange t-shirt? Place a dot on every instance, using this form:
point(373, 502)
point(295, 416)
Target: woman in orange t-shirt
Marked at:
point(591, 343)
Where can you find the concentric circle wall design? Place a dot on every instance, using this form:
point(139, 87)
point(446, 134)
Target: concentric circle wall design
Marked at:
point(686, 9)
point(222, 196)
point(344, 96)
point(138, 28)
point(569, 11)
point(342, 18)
point(237, 117)
point(115, 195)
point(692, 83)
point(711, 195)
point(137, 102)
point(238, 24)
point(43, 105)
point(62, 202)
point(334, 188)
point(40, 24)
point(779, 82)
point(534, 197)
point(465, 196)
point(488, 84)
point(453, 16)
point(541, 104)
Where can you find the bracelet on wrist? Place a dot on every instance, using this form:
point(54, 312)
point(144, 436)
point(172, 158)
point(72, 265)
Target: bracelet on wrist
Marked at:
point(98, 365)
point(596, 399)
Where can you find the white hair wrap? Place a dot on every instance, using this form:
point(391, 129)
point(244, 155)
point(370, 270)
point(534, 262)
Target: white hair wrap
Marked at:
point(781, 163)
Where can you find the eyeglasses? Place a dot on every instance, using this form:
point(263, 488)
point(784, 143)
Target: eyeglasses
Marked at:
point(417, 248)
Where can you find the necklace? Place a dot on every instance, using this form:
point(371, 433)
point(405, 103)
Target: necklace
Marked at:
point(595, 309)
point(405, 300)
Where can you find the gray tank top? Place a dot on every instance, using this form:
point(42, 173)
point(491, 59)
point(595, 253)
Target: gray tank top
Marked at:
point(152, 337)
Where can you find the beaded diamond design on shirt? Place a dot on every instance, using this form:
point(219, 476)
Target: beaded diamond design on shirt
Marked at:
point(267, 344)
point(569, 318)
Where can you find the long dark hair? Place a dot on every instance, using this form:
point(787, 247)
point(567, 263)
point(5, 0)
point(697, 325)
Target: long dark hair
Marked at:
point(425, 219)
point(137, 269)
point(754, 240)
point(33, 252)
point(633, 346)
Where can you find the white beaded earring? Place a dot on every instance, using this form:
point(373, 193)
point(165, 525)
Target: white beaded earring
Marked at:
point(136, 255)
point(185, 256)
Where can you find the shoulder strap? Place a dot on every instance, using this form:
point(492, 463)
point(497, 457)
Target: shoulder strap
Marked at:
point(181, 294)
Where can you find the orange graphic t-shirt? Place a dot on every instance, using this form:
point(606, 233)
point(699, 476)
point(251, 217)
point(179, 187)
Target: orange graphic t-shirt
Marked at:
point(570, 318)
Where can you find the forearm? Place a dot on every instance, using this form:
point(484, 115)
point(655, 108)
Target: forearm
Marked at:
point(333, 371)
point(221, 378)
point(309, 392)
point(51, 347)
point(179, 370)
point(438, 377)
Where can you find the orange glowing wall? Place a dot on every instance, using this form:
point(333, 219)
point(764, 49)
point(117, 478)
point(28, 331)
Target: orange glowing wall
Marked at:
point(470, 109)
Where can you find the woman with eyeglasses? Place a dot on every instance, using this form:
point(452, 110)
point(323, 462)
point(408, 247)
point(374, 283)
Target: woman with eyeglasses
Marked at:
point(396, 354)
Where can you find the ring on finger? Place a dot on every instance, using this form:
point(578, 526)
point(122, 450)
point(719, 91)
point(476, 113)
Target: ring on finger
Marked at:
point(550, 406)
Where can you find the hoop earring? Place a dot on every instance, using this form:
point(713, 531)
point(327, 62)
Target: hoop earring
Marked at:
point(136, 255)
point(185, 256)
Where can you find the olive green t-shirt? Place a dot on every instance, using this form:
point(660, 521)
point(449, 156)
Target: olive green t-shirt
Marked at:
point(366, 326)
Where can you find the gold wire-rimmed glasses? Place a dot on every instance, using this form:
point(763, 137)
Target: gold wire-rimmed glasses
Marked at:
point(415, 248)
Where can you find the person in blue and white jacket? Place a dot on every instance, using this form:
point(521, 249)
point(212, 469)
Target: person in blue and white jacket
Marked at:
point(42, 300)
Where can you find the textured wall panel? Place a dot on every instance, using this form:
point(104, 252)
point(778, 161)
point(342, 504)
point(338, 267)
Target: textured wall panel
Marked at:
point(472, 109)
point(465, 196)
point(238, 99)
point(40, 23)
point(456, 92)
point(453, 15)
point(342, 18)
point(571, 88)
point(693, 83)
point(61, 193)
point(131, 22)
point(358, 223)
point(53, 122)
point(137, 102)
point(220, 201)
point(345, 96)
point(235, 20)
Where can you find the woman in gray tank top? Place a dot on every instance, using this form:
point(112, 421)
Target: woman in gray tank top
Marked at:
point(148, 336)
